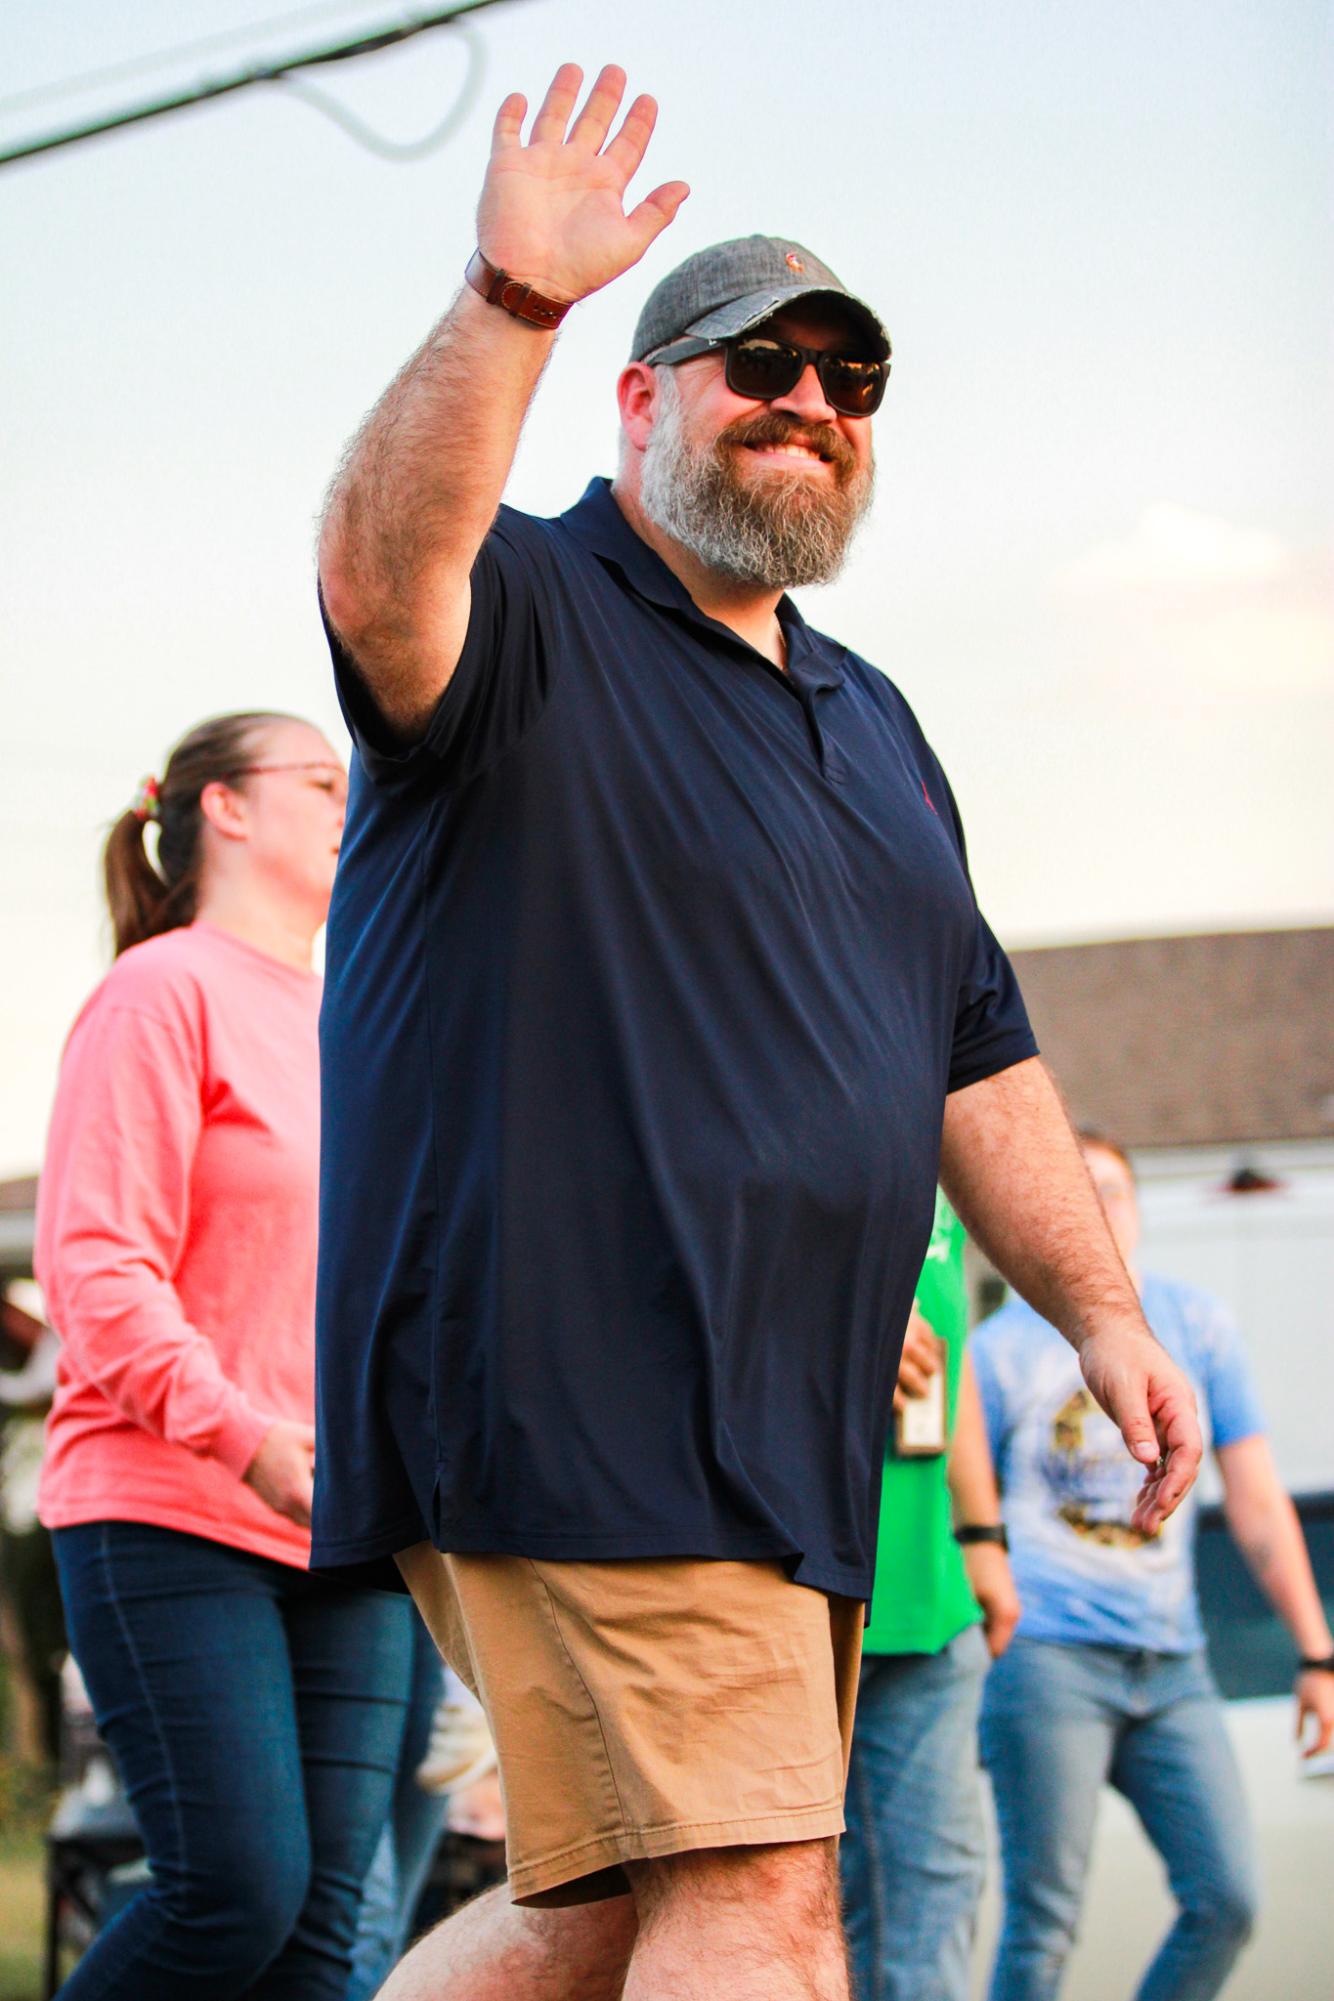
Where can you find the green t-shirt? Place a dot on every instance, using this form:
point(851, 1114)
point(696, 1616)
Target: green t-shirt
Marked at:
point(921, 1596)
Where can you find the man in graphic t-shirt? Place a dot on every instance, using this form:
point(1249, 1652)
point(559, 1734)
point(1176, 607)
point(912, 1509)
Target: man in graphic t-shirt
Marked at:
point(1106, 1678)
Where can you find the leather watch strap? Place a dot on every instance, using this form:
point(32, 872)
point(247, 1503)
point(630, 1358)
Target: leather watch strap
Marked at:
point(1313, 1664)
point(513, 296)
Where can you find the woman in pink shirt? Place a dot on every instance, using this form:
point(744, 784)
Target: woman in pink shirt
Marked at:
point(255, 1711)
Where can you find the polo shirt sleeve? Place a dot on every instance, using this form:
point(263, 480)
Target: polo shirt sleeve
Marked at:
point(501, 683)
point(991, 1026)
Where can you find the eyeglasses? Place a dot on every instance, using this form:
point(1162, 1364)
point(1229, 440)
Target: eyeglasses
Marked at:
point(757, 366)
point(334, 772)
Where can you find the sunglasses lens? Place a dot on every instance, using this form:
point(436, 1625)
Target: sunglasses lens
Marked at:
point(762, 368)
point(853, 387)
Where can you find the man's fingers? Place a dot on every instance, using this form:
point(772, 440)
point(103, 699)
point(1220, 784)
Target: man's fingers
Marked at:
point(1140, 1437)
point(921, 1350)
point(656, 211)
point(1166, 1485)
point(1147, 1515)
point(628, 148)
point(1324, 1733)
point(1183, 1448)
point(1177, 1479)
point(1324, 1725)
point(554, 111)
point(594, 121)
point(507, 132)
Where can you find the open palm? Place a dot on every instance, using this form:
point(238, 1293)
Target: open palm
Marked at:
point(553, 210)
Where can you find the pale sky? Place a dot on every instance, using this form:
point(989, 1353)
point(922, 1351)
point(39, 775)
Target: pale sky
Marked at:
point(1102, 560)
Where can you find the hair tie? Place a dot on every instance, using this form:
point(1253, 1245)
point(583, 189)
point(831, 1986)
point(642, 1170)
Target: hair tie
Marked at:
point(147, 801)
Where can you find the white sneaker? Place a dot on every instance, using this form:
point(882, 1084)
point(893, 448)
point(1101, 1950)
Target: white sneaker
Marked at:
point(460, 1750)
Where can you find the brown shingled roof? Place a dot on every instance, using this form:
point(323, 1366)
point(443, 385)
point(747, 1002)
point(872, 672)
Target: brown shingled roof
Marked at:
point(1219, 1039)
point(18, 1196)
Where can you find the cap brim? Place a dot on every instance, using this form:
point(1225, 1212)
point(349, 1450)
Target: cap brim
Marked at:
point(738, 316)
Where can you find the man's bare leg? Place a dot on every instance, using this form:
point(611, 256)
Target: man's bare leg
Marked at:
point(754, 1924)
point(493, 1950)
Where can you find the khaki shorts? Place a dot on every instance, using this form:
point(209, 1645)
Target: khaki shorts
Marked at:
point(644, 1708)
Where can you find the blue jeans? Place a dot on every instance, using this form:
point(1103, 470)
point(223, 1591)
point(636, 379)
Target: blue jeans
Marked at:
point(255, 1714)
point(409, 1838)
point(1057, 1721)
point(913, 1856)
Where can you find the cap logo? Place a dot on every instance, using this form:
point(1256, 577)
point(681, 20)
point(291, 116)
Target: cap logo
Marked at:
point(793, 262)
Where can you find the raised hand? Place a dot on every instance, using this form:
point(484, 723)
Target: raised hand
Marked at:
point(553, 210)
point(1148, 1398)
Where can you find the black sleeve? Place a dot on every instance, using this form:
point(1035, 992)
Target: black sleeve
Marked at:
point(501, 682)
point(991, 1026)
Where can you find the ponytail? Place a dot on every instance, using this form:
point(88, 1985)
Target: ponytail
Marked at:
point(147, 895)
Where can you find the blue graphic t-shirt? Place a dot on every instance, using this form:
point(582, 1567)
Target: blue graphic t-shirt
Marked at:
point(1082, 1572)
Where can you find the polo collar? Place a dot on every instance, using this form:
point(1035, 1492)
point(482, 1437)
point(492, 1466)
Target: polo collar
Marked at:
point(814, 660)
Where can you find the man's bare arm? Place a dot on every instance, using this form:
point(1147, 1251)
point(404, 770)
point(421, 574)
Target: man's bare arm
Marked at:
point(1011, 1166)
point(972, 1483)
point(1266, 1530)
point(422, 480)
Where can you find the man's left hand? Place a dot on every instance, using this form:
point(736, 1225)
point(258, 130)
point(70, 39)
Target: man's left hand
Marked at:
point(1149, 1400)
point(1315, 1699)
point(992, 1583)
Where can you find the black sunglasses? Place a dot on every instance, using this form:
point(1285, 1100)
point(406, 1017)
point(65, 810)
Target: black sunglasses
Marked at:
point(760, 367)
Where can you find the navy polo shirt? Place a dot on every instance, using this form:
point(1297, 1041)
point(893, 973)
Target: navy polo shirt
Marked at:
point(649, 969)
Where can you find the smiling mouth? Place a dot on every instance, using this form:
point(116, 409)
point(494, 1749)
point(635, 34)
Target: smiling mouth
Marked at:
point(803, 454)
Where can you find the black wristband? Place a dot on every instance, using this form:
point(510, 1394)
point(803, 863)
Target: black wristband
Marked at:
point(983, 1532)
point(1307, 1665)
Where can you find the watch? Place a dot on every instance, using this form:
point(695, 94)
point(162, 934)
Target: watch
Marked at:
point(1308, 1665)
point(983, 1532)
point(513, 296)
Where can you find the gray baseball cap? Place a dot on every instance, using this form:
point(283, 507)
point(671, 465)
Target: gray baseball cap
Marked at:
point(731, 287)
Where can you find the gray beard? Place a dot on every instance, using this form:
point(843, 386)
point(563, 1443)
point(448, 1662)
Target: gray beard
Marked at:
point(776, 536)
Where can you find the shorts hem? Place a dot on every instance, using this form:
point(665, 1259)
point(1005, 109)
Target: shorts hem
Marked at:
point(455, 1538)
point(531, 1881)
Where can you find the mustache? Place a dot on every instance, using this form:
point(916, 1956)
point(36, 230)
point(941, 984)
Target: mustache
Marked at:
point(770, 427)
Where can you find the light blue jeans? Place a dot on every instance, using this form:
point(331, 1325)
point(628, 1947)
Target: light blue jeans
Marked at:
point(409, 1837)
point(913, 1856)
point(1059, 1720)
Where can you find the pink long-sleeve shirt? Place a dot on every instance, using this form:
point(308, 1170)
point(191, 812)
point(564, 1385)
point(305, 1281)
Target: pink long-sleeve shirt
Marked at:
point(176, 1233)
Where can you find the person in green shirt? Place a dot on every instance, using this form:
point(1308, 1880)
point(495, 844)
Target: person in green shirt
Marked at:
point(912, 1857)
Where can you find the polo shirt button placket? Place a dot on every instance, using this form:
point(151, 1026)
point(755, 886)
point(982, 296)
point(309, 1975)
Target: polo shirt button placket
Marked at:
point(833, 764)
